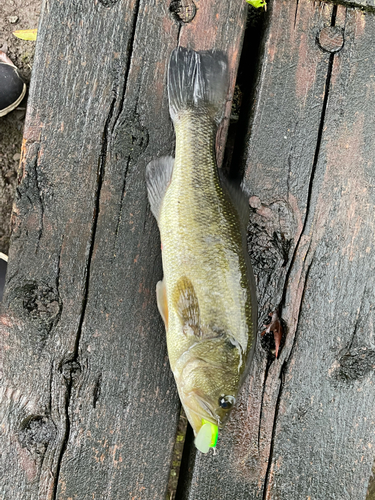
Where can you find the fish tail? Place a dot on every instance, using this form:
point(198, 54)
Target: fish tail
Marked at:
point(197, 80)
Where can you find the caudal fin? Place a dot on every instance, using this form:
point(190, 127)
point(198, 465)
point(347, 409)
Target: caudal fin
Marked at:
point(197, 80)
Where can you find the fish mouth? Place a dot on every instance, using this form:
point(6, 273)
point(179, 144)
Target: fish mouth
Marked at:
point(195, 416)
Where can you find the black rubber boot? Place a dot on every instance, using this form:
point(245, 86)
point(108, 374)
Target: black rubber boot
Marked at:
point(12, 87)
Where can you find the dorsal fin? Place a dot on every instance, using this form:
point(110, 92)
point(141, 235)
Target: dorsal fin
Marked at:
point(158, 177)
point(240, 202)
point(185, 302)
point(239, 199)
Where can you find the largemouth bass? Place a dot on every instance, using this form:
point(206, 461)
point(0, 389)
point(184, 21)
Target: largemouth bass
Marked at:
point(206, 297)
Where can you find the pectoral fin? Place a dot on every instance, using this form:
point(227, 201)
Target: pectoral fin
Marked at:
point(162, 302)
point(186, 304)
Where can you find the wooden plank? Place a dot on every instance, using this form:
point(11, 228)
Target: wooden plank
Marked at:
point(88, 405)
point(324, 437)
point(288, 437)
point(364, 4)
point(305, 428)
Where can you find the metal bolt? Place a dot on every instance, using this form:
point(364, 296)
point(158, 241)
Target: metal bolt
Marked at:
point(331, 39)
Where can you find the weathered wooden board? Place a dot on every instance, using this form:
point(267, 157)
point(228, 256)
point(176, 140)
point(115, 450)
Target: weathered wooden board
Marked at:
point(325, 435)
point(305, 424)
point(88, 406)
point(364, 4)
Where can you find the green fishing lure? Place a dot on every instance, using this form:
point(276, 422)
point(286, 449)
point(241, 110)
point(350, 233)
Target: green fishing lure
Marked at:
point(257, 3)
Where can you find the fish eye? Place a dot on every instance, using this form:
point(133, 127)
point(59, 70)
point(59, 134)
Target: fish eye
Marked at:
point(226, 402)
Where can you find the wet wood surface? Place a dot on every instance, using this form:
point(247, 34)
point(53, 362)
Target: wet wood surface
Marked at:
point(304, 427)
point(88, 405)
point(363, 4)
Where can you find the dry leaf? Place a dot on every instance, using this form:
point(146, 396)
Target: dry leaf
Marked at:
point(25, 34)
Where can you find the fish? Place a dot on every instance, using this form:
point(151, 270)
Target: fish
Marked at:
point(207, 295)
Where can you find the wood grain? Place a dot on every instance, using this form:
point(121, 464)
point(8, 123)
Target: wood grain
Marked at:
point(304, 427)
point(326, 410)
point(88, 405)
point(363, 4)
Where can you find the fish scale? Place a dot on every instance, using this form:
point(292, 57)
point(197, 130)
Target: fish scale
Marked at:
point(194, 209)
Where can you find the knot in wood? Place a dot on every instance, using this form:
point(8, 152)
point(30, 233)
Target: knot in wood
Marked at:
point(130, 139)
point(183, 10)
point(36, 432)
point(356, 363)
point(108, 3)
point(331, 39)
point(70, 370)
point(274, 333)
point(38, 304)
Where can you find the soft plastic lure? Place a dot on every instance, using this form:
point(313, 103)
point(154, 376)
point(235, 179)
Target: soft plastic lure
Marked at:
point(207, 436)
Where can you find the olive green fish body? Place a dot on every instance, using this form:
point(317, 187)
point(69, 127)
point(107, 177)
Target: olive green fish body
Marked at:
point(205, 298)
point(201, 241)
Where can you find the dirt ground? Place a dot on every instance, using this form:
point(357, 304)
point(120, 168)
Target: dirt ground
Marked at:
point(14, 15)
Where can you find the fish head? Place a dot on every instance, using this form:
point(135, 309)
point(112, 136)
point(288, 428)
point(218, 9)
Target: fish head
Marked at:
point(207, 392)
point(208, 381)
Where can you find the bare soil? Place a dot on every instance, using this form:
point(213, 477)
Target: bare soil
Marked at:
point(14, 15)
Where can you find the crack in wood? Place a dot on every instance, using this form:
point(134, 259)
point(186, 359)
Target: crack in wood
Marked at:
point(97, 390)
point(315, 161)
point(49, 408)
point(121, 204)
point(65, 439)
point(361, 314)
point(41, 216)
point(269, 362)
point(295, 338)
point(69, 384)
point(277, 406)
point(116, 126)
point(29, 188)
point(356, 324)
point(334, 14)
point(58, 270)
point(354, 4)
point(295, 14)
point(131, 138)
point(179, 31)
point(108, 3)
point(128, 65)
